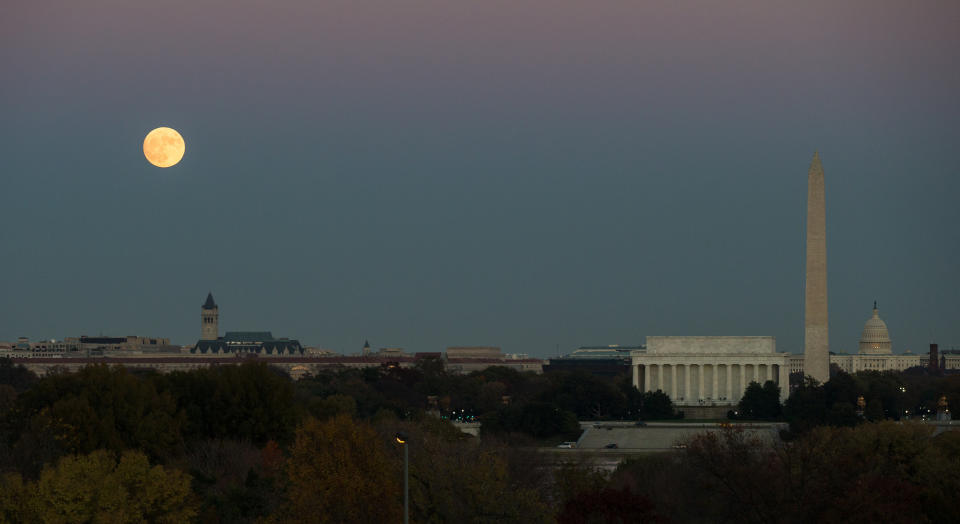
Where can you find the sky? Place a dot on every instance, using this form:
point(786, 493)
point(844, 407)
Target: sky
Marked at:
point(530, 174)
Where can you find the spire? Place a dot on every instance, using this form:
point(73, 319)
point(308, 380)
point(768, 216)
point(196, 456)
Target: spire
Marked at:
point(209, 304)
point(815, 166)
point(874, 305)
point(366, 344)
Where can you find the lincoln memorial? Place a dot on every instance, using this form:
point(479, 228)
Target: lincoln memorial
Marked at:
point(709, 371)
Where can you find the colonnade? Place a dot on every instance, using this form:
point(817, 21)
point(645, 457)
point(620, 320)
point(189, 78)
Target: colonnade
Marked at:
point(706, 383)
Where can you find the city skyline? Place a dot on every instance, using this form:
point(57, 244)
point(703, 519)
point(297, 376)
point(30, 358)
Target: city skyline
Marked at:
point(492, 174)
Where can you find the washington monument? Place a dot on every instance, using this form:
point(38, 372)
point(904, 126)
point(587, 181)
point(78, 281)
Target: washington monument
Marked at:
point(816, 345)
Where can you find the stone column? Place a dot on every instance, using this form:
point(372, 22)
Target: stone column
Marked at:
point(660, 376)
point(646, 377)
point(686, 383)
point(636, 376)
point(784, 381)
point(729, 383)
point(700, 382)
point(716, 382)
point(743, 383)
point(674, 390)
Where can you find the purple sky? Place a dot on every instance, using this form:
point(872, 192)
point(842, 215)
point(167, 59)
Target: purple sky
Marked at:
point(522, 173)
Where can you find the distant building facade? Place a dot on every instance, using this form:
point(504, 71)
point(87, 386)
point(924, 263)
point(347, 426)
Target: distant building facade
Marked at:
point(89, 346)
point(467, 359)
point(603, 361)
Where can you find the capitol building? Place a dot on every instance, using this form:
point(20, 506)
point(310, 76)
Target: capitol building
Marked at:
point(875, 351)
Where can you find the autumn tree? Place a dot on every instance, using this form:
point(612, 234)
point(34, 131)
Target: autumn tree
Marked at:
point(339, 471)
point(98, 487)
point(452, 480)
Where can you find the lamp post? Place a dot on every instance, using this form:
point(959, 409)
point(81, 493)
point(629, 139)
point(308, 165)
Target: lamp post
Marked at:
point(402, 439)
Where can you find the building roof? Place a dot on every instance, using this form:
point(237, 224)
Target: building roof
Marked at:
point(615, 347)
point(604, 352)
point(209, 304)
point(270, 347)
point(248, 336)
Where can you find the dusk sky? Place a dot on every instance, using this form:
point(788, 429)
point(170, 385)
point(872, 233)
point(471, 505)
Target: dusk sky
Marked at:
point(523, 174)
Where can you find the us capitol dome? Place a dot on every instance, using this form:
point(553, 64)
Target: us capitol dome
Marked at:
point(875, 339)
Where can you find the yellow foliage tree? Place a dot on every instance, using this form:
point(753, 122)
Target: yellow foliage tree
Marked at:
point(99, 488)
point(339, 471)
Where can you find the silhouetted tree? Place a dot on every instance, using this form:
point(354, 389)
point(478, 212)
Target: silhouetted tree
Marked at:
point(16, 375)
point(760, 402)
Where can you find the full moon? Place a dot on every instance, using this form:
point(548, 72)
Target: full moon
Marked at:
point(163, 147)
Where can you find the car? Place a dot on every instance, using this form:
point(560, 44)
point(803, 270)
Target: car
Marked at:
point(640, 424)
point(611, 445)
point(567, 445)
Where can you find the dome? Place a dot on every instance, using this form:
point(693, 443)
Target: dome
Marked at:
point(875, 339)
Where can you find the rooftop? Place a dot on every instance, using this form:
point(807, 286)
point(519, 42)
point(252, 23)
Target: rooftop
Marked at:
point(248, 336)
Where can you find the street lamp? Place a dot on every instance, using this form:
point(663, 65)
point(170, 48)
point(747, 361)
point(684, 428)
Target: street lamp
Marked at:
point(402, 439)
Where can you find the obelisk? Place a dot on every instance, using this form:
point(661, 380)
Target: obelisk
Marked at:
point(816, 346)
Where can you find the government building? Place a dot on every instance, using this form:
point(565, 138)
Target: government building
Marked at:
point(709, 372)
point(875, 352)
point(238, 342)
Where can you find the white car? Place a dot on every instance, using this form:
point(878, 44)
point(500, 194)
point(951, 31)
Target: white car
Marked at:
point(568, 445)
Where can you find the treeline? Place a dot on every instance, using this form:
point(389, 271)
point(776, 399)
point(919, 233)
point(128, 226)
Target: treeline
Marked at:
point(875, 472)
point(505, 400)
point(886, 396)
point(244, 443)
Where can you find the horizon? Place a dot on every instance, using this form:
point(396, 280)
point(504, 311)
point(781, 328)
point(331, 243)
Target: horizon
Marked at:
point(507, 174)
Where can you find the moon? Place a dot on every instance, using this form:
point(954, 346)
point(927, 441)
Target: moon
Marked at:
point(163, 147)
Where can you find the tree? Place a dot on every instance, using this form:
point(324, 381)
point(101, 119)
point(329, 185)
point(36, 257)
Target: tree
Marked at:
point(588, 396)
point(237, 481)
point(656, 405)
point(739, 480)
point(98, 407)
point(608, 505)
point(811, 405)
point(760, 402)
point(16, 375)
point(251, 401)
point(451, 481)
point(537, 419)
point(98, 488)
point(339, 471)
point(874, 411)
point(326, 407)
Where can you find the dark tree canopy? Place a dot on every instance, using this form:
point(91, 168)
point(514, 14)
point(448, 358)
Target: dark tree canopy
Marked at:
point(760, 402)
